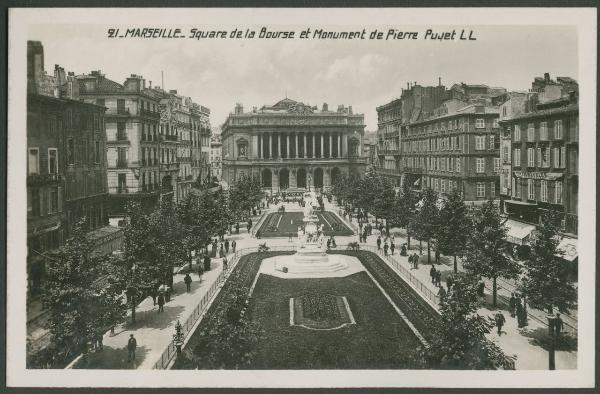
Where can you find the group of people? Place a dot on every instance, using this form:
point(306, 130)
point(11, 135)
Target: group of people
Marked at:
point(413, 259)
point(331, 242)
point(224, 248)
point(518, 309)
point(436, 275)
point(389, 244)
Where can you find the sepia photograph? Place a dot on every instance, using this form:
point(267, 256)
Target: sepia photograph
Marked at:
point(301, 197)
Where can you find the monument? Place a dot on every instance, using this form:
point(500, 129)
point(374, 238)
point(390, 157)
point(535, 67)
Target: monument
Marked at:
point(311, 256)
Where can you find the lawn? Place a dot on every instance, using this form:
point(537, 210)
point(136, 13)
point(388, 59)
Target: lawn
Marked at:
point(283, 224)
point(379, 340)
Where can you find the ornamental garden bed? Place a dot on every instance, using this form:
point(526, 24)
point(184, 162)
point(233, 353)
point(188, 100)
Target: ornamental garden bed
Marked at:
point(279, 224)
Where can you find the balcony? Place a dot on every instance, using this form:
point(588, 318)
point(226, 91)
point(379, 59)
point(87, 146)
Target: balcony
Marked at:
point(150, 114)
point(122, 163)
point(122, 136)
point(43, 179)
point(172, 138)
point(184, 159)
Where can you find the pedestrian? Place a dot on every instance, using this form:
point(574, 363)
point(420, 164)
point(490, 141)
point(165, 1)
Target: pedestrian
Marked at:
point(441, 293)
point(226, 246)
point(449, 281)
point(512, 304)
point(200, 272)
point(233, 245)
point(154, 293)
point(378, 242)
point(237, 225)
point(410, 262)
point(206, 263)
point(432, 274)
point(392, 246)
point(225, 264)
point(439, 278)
point(385, 248)
point(188, 282)
point(253, 214)
point(221, 251)
point(329, 243)
point(558, 325)
point(416, 260)
point(161, 302)
point(403, 251)
point(392, 238)
point(131, 345)
point(500, 320)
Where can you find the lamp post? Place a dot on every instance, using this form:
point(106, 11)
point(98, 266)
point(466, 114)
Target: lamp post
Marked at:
point(552, 333)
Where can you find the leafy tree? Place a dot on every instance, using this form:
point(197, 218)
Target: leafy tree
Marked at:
point(384, 202)
point(459, 340)
point(168, 235)
point(244, 195)
point(141, 272)
point(487, 253)
point(454, 227)
point(82, 302)
point(546, 282)
point(195, 235)
point(426, 220)
point(404, 209)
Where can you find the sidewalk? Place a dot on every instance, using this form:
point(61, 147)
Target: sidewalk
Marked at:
point(522, 342)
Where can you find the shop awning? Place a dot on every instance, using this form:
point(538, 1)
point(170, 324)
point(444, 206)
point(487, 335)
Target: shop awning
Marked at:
point(569, 247)
point(518, 233)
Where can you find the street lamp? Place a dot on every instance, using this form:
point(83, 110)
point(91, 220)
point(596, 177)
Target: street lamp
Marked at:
point(552, 332)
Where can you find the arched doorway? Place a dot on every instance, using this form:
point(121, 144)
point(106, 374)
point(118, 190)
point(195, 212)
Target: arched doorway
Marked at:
point(301, 178)
point(335, 175)
point(266, 176)
point(284, 178)
point(318, 178)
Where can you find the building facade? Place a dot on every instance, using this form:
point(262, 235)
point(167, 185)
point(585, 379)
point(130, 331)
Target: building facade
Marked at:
point(543, 169)
point(132, 128)
point(216, 154)
point(67, 166)
point(389, 121)
point(458, 149)
point(293, 145)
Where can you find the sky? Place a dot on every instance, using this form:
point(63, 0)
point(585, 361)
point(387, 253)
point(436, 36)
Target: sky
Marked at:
point(363, 73)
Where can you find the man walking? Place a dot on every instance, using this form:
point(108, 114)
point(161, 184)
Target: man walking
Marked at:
point(392, 246)
point(432, 274)
point(226, 246)
point(188, 282)
point(385, 248)
point(378, 242)
point(233, 245)
point(131, 345)
point(225, 263)
point(500, 320)
point(512, 304)
point(161, 302)
point(558, 325)
point(416, 260)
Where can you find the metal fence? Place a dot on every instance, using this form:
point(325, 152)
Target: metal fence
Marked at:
point(417, 284)
point(202, 306)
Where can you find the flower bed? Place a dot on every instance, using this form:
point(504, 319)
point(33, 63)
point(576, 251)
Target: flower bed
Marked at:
point(285, 224)
point(417, 310)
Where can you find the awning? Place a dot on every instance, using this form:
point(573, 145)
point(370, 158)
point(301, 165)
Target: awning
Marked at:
point(569, 247)
point(518, 232)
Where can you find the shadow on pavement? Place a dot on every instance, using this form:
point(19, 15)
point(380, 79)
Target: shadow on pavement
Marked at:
point(153, 319)
point(539, 337)
point(111, 358)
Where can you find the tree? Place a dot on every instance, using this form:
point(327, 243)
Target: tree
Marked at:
point(454, 227)
point(138, 263)
point(546, 282)
point(487, 253)
point(459, 341)
point(383, 203)
point(69, 294)
point(244, 195)
point(426, 219)
point(168, 235)
point(404, 209)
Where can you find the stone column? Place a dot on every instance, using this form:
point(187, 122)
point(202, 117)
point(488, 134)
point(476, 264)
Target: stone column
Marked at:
point(258, 146)
point(296, 151)
point(345, 144)
point(322, 150)
point(314, 150)
point(293, 182)
point(287, 141)
point(330, 145)
point(304, 147)
point(270, 145)
point(326, 178)
point(339, 141)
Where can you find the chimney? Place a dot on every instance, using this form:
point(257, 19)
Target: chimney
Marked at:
point(547, 77)
point(350, 109)
point(408, 86)
point(150, 82)
point(439, 81)
point(325, 107)
point(239, 109)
